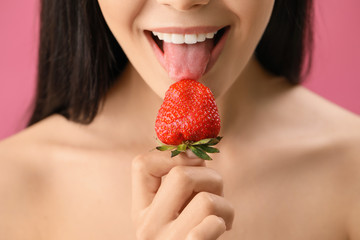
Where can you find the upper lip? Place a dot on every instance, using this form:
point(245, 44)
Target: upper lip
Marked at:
point(187, 30)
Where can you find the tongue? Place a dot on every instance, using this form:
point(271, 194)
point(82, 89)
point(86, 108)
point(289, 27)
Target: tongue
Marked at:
point(187, 61)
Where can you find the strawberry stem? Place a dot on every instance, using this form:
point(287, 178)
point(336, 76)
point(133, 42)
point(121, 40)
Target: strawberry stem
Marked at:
point(199, 148)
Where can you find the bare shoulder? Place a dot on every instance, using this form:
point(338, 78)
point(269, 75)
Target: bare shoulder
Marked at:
point(22, 174)
point(32, 145)
point(24, 178)
point(20, 155)
point(325, 115)
point(334, 130)
point(341, 128)
point(349, 141)
point(42, 172)
point(351, 156)
point(27, 157)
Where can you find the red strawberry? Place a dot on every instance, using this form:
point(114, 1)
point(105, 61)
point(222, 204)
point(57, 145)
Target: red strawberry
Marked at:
point(188, 115)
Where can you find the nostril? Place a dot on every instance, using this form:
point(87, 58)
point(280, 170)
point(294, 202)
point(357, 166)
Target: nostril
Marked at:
point(197, 5)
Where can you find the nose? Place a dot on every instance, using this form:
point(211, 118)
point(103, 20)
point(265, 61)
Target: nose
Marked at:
point(183, 5)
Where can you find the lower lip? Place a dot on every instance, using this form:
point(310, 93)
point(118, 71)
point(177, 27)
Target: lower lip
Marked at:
point(215, 53)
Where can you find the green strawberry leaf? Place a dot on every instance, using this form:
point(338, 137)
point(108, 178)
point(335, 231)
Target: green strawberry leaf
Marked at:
point(199, 148)
point(165, 147)
point(209, 149)
point(214, 141)
point(200, 153)
point(208, 141)
point(175, 153)
point(181, 147)
point(203, 141)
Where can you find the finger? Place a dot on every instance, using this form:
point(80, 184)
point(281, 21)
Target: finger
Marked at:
point(178, 188)
point(211, 228)
point(190, 154)
point(147, 171)
point(201, 206)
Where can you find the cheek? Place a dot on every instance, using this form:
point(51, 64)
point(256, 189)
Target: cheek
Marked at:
point(252, 15)
point(120, 14)
point(250, 18)
point(122, 17)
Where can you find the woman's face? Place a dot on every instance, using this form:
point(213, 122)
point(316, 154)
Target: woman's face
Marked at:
point(185, 45)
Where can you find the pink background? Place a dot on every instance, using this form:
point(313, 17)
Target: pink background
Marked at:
point(335, 74)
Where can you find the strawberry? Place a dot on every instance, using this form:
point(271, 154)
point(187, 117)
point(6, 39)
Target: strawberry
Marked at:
point(188, 118)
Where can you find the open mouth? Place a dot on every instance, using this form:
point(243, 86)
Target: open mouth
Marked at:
point(159, 38)
point(187, 55)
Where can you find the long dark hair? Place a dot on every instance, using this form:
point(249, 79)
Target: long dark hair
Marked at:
point(79, 58)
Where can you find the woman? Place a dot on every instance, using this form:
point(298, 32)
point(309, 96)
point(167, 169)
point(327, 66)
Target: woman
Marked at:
point(289, 165)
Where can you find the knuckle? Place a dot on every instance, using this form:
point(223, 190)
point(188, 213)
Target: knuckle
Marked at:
point(139, 218)
point(231, 214)
point(142, 233)
point(194, 235)
point(220, 223)
point(145, 230)
point(228, 214)
point(207, 202)
point(218, 181)
point(180, 175)
point(138, 162)
point(232, 209)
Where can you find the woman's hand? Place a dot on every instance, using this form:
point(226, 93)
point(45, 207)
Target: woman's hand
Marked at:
point(187, 203)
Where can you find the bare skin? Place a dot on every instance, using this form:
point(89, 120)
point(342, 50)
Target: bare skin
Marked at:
point(289, 164)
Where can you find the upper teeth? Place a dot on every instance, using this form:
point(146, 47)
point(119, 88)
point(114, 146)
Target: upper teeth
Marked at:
point(183, 38)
